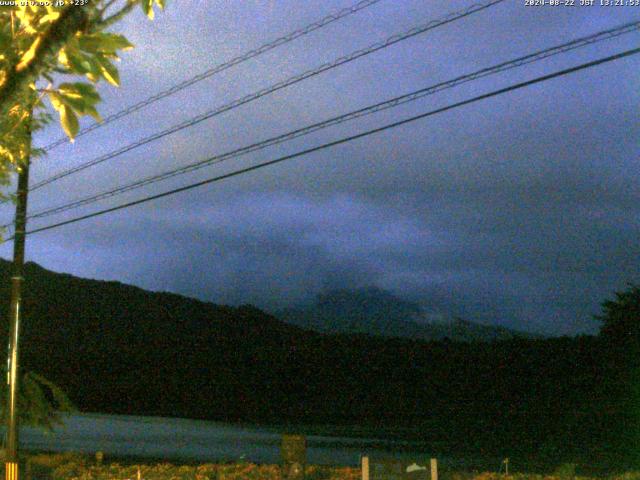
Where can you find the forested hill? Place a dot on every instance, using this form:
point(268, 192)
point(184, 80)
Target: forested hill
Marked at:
point(119, 349)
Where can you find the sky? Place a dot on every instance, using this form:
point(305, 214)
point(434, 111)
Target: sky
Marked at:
point(522, 210)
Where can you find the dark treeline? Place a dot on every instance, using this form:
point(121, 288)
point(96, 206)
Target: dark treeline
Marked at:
point(119, 349)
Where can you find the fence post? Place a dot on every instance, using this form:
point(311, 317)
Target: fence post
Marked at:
point(434, 469)
point(365, 468)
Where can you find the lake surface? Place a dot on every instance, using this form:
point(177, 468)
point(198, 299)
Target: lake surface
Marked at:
point(181, 439)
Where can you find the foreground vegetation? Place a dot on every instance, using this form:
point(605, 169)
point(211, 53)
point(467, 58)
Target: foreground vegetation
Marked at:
point(77, 467)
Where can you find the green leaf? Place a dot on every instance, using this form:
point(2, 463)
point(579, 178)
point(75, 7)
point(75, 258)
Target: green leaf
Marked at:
point(59, 104)
point(79, 62)
point(69, 122)
point(29, 55)
point(76, 61)
point(86, 91)
point(103, 42)
point(79, 98)
point(75, 102)
point(50, 17)
point(91, 111)
point(56, 100)
point(147, 8)
point(108, 70)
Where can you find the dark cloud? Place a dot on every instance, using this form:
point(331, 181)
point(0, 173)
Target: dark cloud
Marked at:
point(520, 210)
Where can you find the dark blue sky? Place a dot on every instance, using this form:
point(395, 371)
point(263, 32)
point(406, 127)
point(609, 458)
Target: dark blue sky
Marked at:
point(521, 210)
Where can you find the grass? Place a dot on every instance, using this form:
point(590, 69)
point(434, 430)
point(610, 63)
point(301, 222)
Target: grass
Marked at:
point(77, 467)
point(70, 466)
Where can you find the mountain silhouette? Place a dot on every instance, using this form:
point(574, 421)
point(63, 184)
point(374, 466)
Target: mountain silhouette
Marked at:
point(377, 312)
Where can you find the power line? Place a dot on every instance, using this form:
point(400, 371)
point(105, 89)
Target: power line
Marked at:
point(391, 103)
point(494, 93)
point(273, 88)
point(220, 68)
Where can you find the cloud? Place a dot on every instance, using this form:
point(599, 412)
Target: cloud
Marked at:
point(520, 210)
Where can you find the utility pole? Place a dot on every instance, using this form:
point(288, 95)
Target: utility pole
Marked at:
point(15, 311)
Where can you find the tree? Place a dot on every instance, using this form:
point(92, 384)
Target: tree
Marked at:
point(40, 402)
point(621, 317)
point(618, 383)
point(42, 44)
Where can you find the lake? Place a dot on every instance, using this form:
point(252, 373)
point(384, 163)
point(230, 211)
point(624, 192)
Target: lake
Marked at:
point(193, 440)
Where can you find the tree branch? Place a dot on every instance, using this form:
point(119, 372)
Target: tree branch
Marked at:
point(107, 22)
point(107, 6)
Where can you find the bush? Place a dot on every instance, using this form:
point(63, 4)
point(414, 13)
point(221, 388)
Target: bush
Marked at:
point(76, 467)
point(566, 470)
point(70, 466)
